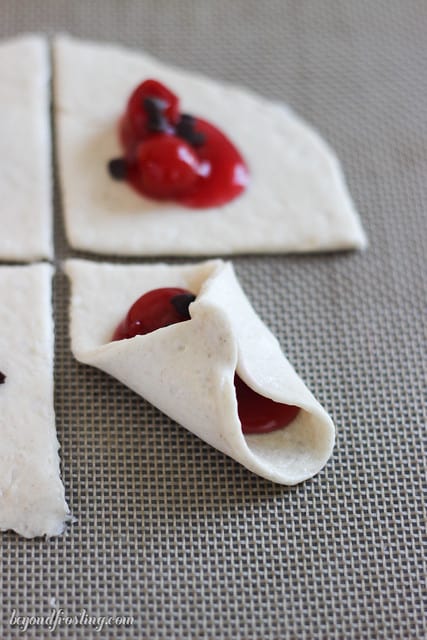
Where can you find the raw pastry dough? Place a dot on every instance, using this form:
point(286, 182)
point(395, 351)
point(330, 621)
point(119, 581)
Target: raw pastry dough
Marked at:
point(297, 199)
point(25, 183)
point(187, 369)
point(32, 501)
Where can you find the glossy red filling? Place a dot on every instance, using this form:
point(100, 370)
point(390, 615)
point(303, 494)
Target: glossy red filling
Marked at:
point(151, 311)
point(259, 414)
point(174, 156)
point(162, 307)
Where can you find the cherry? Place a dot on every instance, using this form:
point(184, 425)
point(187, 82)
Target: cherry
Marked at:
point(153, 310)
point(259, 414)
point(225, 174)
point(176, 156)
point(162, 307)
point(135, 123)
point(165, 167)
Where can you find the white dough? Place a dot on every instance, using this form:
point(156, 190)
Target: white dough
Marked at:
point(32, 501)
point(187, 369)
point(297, 199)
point(25, 175)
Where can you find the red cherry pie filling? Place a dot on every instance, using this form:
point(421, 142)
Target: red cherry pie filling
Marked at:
point(162, 307)
point(169, 155)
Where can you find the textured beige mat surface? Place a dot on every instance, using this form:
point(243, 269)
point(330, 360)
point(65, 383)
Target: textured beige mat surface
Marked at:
point(169, 531)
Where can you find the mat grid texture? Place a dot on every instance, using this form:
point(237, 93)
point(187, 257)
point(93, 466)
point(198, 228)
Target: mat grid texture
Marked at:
point(170, 531)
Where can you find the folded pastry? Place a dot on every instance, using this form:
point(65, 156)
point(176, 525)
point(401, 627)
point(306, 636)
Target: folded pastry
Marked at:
point(32, 501)
point(189, 369)
point(295, 200)
point(25, 185)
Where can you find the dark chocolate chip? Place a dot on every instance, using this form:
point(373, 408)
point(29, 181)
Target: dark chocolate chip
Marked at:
point(187, 119)
point(157, 122)
point(182, 302)
point(2, 377)
point(197, 139)
point(154, 105)
point(117, 168)
point(185, 126)
point(185, 130)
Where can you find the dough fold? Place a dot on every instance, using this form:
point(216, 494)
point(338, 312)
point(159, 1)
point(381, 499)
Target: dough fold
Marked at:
point(187, 369)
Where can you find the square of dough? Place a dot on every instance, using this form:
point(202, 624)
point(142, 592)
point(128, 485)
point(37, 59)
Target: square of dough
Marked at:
point(297, 199)
point(25, 175)
point(32, 501)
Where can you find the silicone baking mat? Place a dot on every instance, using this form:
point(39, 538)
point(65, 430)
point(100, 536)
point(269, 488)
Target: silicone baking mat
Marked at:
point(169, 531)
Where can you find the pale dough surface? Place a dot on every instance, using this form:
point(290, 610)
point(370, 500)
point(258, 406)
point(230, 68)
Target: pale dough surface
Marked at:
point(25, 175)
point(187, 369)
point(32, 501)
point(297, 199)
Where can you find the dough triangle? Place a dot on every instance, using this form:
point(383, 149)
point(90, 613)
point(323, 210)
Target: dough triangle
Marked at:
point(296, 201)
point(187, 369)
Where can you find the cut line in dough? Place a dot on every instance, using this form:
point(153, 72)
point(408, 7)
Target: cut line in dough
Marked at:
point(187, 369)
point(25, 176)
point(297, 199)
point(32, 500)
